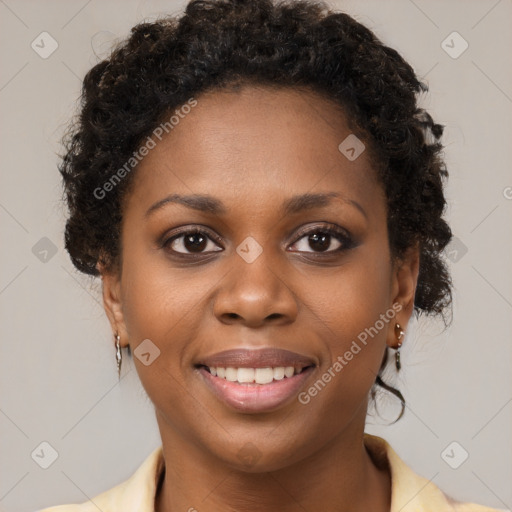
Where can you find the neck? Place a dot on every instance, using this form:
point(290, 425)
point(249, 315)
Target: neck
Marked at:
point(340, 477)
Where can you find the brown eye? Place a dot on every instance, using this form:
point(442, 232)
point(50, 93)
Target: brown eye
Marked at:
point(191, 242)
point(323, 240)
point(320, 241)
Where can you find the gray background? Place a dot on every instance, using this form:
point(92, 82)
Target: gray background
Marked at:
point(57, 370)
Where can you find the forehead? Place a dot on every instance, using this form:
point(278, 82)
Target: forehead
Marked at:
point(255, 143)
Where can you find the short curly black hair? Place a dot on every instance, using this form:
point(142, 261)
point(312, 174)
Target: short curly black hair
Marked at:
point(218, 44)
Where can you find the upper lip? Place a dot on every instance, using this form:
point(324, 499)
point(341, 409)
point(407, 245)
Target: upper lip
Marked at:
point(256, 358)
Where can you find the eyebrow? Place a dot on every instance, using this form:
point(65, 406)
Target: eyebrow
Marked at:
point(198, 202)
point(310, 201)
point(212, 205)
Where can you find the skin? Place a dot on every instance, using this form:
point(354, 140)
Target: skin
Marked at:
point(253, 149)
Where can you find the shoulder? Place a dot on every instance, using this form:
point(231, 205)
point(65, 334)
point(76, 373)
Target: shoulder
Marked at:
point(411, 492)
point(137, 494)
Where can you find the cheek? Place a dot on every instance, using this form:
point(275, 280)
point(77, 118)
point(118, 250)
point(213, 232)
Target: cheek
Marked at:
point(353, 311)
point(352, 296)
point(155, 298)
point(158, 304)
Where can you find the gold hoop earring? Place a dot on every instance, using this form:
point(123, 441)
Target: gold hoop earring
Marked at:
point(399, 333)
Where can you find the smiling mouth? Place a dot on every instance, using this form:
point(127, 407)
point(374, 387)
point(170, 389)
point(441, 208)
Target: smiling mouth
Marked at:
point(259, 376)
point(255, 381)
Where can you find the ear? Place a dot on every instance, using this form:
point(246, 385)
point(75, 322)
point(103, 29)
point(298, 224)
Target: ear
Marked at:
point(404, 282)
point(112, 302)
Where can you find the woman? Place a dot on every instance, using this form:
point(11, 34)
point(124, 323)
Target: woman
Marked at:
point(262, 198)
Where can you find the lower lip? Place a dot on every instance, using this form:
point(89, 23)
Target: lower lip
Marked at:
point(256, 397)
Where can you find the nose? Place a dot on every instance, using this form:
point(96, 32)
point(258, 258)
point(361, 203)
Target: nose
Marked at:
point(255, 294)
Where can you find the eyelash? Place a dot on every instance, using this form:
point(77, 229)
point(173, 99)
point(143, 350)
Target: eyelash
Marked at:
point(327, 229)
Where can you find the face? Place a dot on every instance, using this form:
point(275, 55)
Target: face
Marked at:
point(255, 259)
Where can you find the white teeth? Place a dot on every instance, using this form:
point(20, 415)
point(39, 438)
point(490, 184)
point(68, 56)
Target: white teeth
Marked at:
point(279, 373)
point(245, 375)
point(254, 375)
point(231, 374)
point(263, 375)
point(289, 371)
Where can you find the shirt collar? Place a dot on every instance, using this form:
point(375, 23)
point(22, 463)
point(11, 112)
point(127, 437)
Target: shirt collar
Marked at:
point(409, 491)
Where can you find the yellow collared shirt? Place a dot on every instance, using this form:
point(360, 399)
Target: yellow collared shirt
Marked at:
point(409, 491)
